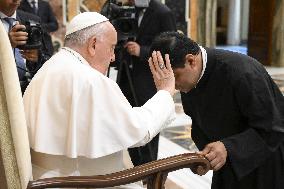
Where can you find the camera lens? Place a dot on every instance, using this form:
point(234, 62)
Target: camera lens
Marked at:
point(35, 34)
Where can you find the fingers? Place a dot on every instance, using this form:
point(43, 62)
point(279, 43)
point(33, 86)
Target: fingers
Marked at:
point(163, 77)
point(168, 62)
point(216, 154)
point(31, 55)
point(18, 27)
point(17, 40)
point(152, 67)
point(211, 155)
point(130, 45)
point(218, 166)
point(205, 151)
point(199, 152)
point(158, 62)
point(18, 36)
point(133, 48)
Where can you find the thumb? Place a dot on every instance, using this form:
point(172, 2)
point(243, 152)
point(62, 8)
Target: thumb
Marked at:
point(199, 152)
point(206, 150)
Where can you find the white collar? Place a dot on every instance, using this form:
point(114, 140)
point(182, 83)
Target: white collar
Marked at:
point(30, 1)
point(2, 15)
point(204, 61)
point(76, 55)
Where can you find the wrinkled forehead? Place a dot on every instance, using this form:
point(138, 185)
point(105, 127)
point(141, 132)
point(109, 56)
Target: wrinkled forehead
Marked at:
point(111, 27)
point(111, 33)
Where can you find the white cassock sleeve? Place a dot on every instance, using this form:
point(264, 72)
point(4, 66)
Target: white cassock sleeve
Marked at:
point(155, 128)
point(80, 112)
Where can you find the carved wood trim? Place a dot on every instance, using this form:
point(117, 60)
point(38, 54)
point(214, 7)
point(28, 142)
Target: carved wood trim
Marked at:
point(156, 170)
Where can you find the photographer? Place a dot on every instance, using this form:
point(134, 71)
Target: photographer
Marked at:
point(152, 21)
point(28, 61)
point(152, 18)
point(42, 9)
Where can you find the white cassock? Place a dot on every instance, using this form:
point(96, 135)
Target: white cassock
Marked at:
point(79, 121)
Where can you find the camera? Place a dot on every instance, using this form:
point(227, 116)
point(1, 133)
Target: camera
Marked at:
point(124, 18)
point(35, 33)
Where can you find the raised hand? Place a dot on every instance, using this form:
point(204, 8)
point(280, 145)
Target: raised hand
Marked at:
point(162, 72)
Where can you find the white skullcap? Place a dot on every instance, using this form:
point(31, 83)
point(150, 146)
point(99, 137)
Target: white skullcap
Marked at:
point(84, 20)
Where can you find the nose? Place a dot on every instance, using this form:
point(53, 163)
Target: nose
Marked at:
point(112, 59)
point(176, 87)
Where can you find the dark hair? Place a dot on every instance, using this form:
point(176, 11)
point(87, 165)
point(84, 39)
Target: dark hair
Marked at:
point(176, 45)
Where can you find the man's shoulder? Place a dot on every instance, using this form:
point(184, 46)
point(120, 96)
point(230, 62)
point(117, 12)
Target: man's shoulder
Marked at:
point(76, 67)
point(234, 63)
point(228, 57)
point(159, 7)
point(25, 16)
point(43, 3)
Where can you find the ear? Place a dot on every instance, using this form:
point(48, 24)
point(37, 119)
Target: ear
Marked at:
point(190, 60)
point(92, 45)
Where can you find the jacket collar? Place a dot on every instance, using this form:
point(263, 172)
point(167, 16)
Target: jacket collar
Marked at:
point(147, 15)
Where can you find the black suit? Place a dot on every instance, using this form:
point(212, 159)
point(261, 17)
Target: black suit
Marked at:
point(237, 102)
point(47, 17)
point(156, 19)
point(32, 67)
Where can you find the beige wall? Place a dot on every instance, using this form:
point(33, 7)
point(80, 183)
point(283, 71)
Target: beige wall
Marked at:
point(278, 35)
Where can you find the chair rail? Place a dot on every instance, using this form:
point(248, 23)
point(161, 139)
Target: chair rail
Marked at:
point(156, 172)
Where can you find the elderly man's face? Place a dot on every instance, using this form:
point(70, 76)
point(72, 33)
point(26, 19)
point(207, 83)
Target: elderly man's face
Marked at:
point(9, 7)
point(105, 48)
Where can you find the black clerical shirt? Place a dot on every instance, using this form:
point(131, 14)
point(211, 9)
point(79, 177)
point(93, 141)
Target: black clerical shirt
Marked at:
point(237, 102)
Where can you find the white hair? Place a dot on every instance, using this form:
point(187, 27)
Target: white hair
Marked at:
point(81, 37)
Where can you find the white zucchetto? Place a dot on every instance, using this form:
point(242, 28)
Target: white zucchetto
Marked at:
point(84, 20)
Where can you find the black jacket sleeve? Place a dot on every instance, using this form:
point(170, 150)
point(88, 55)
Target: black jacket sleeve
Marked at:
point(51, 23)
point(262, 104)
point(43, 54)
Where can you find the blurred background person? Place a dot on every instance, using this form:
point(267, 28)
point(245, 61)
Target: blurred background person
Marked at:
point(48, 20)
point(28, 61)
point(152, 20)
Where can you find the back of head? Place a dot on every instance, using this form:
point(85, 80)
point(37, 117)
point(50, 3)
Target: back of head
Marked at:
point(83, 26)
point(176, 45)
